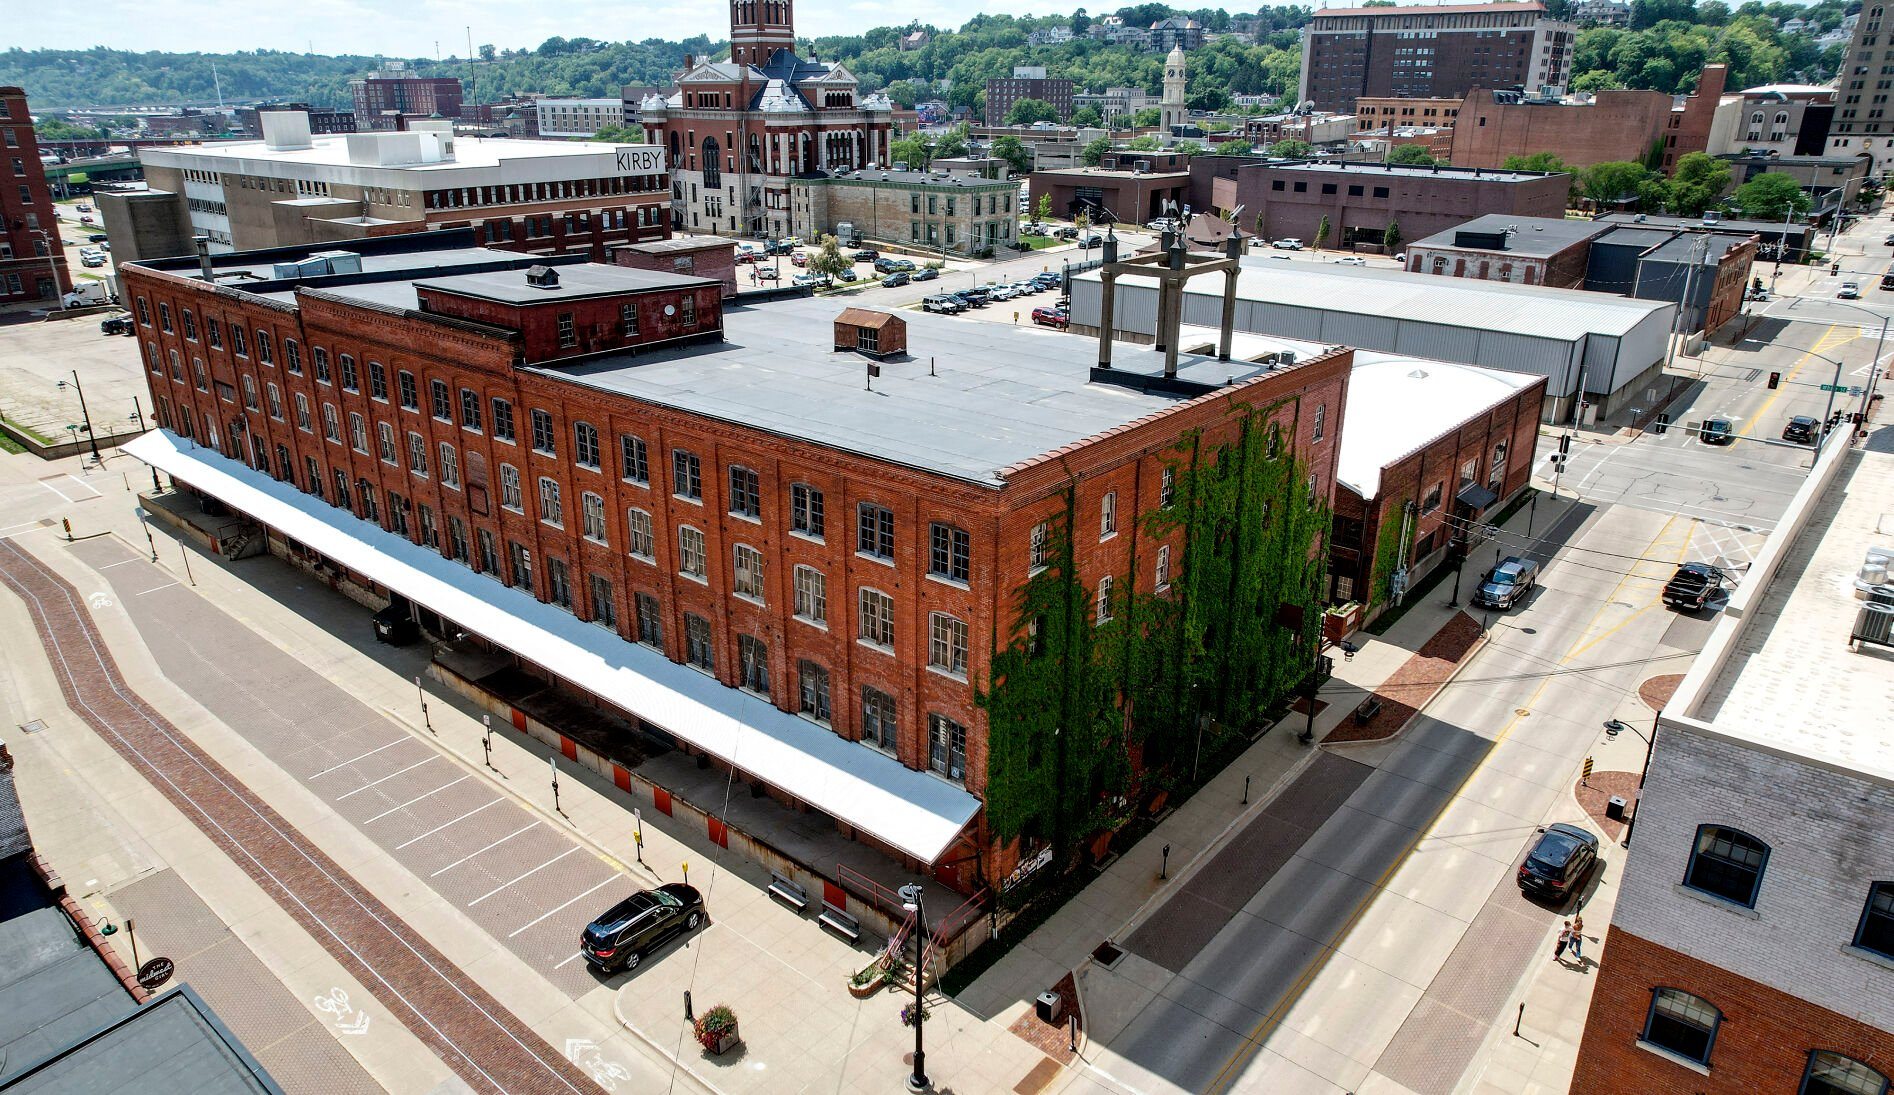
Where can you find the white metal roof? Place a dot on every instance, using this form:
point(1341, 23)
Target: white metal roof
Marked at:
point(477, 161)
point(1398, 404)
point(913, 811)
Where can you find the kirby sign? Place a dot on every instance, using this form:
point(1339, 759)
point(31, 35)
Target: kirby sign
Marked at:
point(640, 159)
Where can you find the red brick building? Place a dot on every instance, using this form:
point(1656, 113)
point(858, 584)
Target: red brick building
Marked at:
point(728, 494)
point(32, 261)
point(1439, 51)
point(703, 256)
point(384, 98)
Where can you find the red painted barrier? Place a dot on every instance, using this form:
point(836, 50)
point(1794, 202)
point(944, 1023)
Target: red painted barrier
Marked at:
point(568, 748)
point(519, 719)
point(621, 777)
point(661, 800)
point(719, 833)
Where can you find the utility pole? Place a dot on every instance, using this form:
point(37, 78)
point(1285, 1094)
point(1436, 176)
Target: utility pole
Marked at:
point(91, 435)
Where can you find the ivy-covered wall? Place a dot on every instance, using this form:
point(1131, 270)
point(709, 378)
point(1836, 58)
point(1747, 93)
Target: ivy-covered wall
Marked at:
point(1070, 701)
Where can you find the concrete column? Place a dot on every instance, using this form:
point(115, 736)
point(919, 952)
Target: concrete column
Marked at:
point(1229, 315)
point(1161, 335)
point(1108, 284)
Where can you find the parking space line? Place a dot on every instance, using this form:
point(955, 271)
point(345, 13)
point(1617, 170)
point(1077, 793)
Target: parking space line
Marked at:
point(364, 756)
point(576, 955)
point(417, 798)
point(386, 778)
point(438, 828)
point(120, 563)
point(523, 877)
point(564, 906)
point(153, 589)
point(488, 848)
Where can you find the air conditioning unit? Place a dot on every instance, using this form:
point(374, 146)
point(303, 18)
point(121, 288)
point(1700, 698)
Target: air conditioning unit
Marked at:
point(1875, 624)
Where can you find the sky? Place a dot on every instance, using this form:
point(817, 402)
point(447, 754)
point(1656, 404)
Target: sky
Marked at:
point(413, 28)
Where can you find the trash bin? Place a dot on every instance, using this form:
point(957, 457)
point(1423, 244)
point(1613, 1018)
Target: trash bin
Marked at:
point(1614, 807)
point(1051, 1007)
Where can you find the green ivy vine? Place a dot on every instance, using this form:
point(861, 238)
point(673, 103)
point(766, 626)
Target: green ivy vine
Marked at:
point(1070, 700)
point(1388, 553)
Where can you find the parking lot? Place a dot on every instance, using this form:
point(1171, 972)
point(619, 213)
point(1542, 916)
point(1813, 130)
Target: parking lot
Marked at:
point(35, 355)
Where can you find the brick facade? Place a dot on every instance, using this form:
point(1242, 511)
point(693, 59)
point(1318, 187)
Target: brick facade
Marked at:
point(485, 361)
point(1762, 1043)
point(1619, 126)
point(1361, 200)
point(32, 258)
point(1431, 52)
point(1002, 92)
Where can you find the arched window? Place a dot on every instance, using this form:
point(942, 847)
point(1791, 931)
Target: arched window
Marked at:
point(1727, 863)
point(1756, 118)
point(1782, 117)
point(713, 175)
point(677, 155)
point(1682, 1024)
point(1831, 1073)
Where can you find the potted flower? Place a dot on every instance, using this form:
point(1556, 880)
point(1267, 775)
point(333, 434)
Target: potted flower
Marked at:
point(913, 1013)
point(717, 1029)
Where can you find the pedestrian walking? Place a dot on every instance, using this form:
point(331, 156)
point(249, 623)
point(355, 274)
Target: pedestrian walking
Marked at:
point(1578, 938)
point(1565, 940)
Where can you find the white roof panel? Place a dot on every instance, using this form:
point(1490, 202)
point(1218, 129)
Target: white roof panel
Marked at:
point(1398, 404)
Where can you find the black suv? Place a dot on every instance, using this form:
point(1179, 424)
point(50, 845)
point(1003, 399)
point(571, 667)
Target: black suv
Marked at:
point(1801, 428)
point(1690, 588)
point(1558, 862)
point(619, 939)
point(1716, 431)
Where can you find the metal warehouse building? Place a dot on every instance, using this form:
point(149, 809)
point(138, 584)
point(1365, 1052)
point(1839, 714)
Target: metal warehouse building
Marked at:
point(1612, 348)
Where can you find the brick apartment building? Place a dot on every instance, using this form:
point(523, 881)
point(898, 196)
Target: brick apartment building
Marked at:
point(1003, 92)
point(962, 214)
point(728, 496)
point(383, 98)
point(1751, 948)
point(1526, 250)
point(1361, 200)
point(322, 120)
point(32, 259)
point(1432, 52)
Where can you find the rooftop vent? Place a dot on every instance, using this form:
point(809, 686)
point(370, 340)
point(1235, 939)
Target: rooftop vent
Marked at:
point(542, 277)
point(1418, 374)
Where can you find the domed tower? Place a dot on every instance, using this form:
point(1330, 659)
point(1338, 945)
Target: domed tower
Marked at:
point(758, 28)
point(1171, 107)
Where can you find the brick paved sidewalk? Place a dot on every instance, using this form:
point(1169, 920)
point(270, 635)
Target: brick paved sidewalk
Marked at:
point(1419, 679)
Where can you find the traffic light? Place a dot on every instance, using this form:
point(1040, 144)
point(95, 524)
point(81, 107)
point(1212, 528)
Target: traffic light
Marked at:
point(1565, 443)
point(1775, 379)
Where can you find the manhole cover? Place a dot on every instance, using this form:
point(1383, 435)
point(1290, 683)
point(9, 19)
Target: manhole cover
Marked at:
point(1522, 712)
point(34, 727)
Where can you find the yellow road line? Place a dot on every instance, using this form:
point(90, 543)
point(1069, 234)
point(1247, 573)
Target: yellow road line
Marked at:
point(1820, 344)
point(1267, 1025)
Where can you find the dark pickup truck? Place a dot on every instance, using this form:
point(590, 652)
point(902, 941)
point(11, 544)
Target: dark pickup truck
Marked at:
point(1691, 588)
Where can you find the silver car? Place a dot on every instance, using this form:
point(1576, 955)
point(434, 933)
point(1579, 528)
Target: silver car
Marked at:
point(1507, 584)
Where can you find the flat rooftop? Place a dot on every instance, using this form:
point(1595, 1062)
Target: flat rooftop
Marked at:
point(332, 150)
point(1397, 405)
point(1725, 224)
point(1404, 171)
point(1537, 237)
point(904, 178)
point(576, 282)
point(1787, 679)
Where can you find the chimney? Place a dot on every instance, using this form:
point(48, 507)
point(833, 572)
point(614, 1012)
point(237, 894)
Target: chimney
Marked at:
point(203, 258)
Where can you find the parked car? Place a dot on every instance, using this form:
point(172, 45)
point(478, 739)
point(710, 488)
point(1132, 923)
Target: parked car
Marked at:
point(1069, 232)
point(925, 273)
point(92, 260)
point(1026, 287)
point(886, 266)
point(86, 219)
point(792, 241)
point(95, 237)
point(1802, 428)
point(621, 937)
point(1716, 431)
point(944, 304)
point(906, 266)
point(895, 280)
point(115, 325)
point(84, 208)
point(1092, 241)
point(1559, 860)
point(766, 273)
point(1051, 317)
point(1692, 586)
point(745, 256)
point(1352, 260)
point(778, 247)
point(972, 298)
point(815, 281)
point(800, 258)
point(1048, 280)
point(1508, 583)
point(1849, 291)
point(866, 254)
point(1287, 243)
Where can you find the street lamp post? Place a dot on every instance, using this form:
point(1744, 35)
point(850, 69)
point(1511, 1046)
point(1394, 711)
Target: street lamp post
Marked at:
point(86, 415)
point(52, 264)
point(911, 900)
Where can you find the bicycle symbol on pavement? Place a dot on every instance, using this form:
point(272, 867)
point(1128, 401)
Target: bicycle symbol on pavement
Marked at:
point(605, 1072)
point(348, 1020)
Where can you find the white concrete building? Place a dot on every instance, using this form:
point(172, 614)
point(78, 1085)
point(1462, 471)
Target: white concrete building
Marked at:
point(578, 117)
point(1758, 892)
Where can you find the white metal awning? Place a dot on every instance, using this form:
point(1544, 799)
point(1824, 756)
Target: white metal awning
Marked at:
point(913, 811)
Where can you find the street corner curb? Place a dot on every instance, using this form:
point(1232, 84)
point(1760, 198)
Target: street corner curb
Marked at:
point(1472, 652)
point(623, 1021)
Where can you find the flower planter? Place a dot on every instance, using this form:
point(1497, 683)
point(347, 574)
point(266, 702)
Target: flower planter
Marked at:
point(716, 1030)
point(725, 1042)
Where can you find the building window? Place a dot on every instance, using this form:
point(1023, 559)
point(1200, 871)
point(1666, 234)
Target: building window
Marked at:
point(443, 403)
point(1108, 515)
point(638, 539)
point(331, 427)
point(190, 325)
point(1039, 548)
point(404, 388)
point(650, 623)
point(522, 561)
point(457, 538)
point(551, 509)
point(558, 583)
point(690, 551)
point(450, 466)
point(164, 317)
point(687, 310)
point(604, 609)
point(946, 747)
point(687, 479)
point(489, 555)
point(510, 497)
point(417, 454)
point(429, 535)
point(592, 515)
point(378, 380)
point(633, 463)
point(568, 334)
point(1682, 1024)
point(628, 315)
point(805, 510)
point(349, 381)
point(749, 572)
point(752, 664)
point(1830, 1073)
point(878, 719)
point(697, 648)
point(469, 409)
point(249, 394)
point(585, 445)
point(1876, 932)
point(1727, 863)
point(214, 333)
point(358, 431)
point(877, 618)
point(1321, 421)
point(543, 440)
point(812, 689)
point(302, 412)
point(874, 530)
point(1167, 487)
point(1104, 599)
point(1163, 575)
point(275, 396)
point(503, 420)
point(1432, 502)
point(812, 595)
point(293, 356)
point(947, 643)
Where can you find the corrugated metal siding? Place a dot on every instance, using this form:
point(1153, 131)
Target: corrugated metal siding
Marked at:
point(1420, 339)
point(1266, 317)
point(1370, 332)
point(1085, 297)
point(1522, 354)
point(1644, 344)
point(1604, 364)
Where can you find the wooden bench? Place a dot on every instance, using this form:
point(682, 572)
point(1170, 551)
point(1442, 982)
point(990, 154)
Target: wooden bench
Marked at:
point(784, 889)
point(840, 922)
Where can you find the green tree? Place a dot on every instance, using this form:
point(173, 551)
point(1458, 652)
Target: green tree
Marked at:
point(828, 259)
point(1292, 150)
point(1612, 181)
point(1014, 151)
point(1233, 147)
point(1412, 155)
point(1147, 117)
point(52, 129)
point(1095, 152)
point(1190, 148)
point(1547, 162)
point(1321, 232)
point(1391, 239)
point(913, 151)
point(1595, 81)
point(1209, 99)
point(1698, 182)
point(903, 94)
point(1771, 196)
point(1087, 116)
point(620, 134)
point(1028, 111)
point(951, 144)
point(1045, 207)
